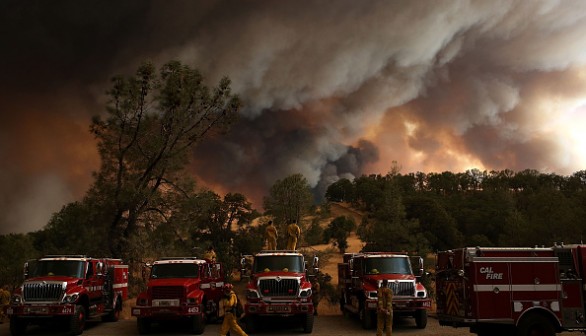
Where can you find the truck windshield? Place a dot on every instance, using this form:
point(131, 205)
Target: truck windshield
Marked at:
point(70, 268)
point(160, 271)
point(392, 265)
point(278, 263)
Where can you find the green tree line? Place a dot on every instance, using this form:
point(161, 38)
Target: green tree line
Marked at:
point(438, 211)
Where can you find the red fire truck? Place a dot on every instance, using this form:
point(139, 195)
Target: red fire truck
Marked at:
point(73, 288)
point(181, 288)
point(361, 274)
point(512, 291)
point(279, 287)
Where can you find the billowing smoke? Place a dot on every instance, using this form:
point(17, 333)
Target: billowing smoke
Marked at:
point(332, 89)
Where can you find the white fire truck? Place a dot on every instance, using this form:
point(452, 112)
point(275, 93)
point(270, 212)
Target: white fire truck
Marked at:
point(512, 291)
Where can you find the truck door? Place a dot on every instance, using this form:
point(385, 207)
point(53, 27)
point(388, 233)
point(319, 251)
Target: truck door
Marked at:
point(492, 288)
point(94, 286)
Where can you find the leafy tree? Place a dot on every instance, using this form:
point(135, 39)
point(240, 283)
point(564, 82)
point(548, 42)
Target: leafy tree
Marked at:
point(315, 233)
point(70, 231)
point(370, 192)
point(388, 229)
point(338, 231)
point(152, 123)
point(341, 190)
point(437, 226)
point(289, 200)
point(15, 250)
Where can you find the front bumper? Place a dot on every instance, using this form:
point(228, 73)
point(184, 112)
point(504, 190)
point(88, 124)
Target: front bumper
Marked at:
point(167, 312)
point(403, 305)
point(278, 308)
point(29, 310)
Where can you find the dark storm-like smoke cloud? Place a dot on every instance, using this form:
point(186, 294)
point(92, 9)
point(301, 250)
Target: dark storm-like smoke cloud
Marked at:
point(331, 89)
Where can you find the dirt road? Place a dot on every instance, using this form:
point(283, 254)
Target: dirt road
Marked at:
point(324, 326)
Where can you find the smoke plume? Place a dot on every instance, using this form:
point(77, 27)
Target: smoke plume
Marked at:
point(331, 89)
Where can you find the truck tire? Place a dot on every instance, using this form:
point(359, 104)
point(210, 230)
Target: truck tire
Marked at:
point(197, 324)
point(114, 314)
point(421, 318)
point(366, 317)
point(535, 325)
point(77, 321)
point(144, 325)
point(17, 326)
point(308, 323)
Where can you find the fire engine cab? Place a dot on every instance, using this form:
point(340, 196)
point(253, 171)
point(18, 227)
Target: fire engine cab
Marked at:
point(361, 274)
point(279, 287)
point(512, 291)
point(73, 288)
point(181, 288)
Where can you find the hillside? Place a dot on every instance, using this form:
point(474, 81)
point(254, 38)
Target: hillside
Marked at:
point(354, 244)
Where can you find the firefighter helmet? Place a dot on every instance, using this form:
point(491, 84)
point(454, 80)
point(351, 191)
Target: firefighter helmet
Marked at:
point(228, 288)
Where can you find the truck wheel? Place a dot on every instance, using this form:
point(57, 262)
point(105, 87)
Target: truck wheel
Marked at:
point(114, 315)
point(144, 325)
point(535, 325)
point(197, 325)
point(366, 318)
point(308, 323)
point(421, 318)
point(77, 321)
point(17, 326)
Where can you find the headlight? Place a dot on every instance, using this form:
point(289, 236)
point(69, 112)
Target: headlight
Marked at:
point(141, 302)
point(252, 294)
point(71, 298)
point(372, 295)
point(305, 293)
point(16, 299)
point(191, 301)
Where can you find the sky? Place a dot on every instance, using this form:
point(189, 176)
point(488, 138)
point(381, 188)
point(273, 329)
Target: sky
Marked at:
point(331, 89)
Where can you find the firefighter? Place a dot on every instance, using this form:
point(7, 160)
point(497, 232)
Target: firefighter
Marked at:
point(293, 235)
point(315, 294)
point(384, 313)
point(4, 301)
point(210, 254)
point(230, 324)
point(271, 235)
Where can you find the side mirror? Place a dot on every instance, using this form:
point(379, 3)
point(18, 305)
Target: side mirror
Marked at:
point(146, 271)
point(100, 268)
point(25, 270)
point(245, 271)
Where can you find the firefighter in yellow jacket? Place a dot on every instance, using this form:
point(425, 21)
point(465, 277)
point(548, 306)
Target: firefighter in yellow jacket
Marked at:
point(384, 313)
point(210, 254)
point(230, 323)
point(271, 235)
point(293, 235)
point(4, 300)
